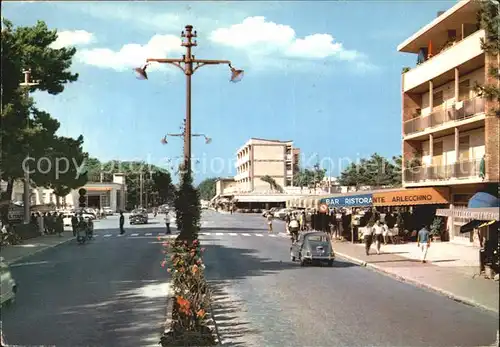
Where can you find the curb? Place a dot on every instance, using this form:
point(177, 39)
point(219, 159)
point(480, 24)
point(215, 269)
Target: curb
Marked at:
point(15, 260)
point(417, 283)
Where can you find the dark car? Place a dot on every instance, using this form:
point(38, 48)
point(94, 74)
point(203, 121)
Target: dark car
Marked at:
point(139, 216)
point(313, 247)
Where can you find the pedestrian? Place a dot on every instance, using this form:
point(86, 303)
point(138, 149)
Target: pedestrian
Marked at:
point(368, 239)
point(270, 222)
point(423, 242)
point(287, 223)
point(122, 222)
point(74, 223)
point(167, 222)
point(41, 227)
point(378, 232)
point(59, 224)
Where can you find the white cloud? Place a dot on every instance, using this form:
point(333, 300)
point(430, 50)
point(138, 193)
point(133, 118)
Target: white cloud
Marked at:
point(256, 36)
point(131, 55)
point(72, 38)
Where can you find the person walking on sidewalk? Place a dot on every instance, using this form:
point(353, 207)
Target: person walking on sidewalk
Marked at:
point(423, 242)
point(59, 224)
point(167, 222)
point(378, 232)
point(368, 239)
point(270, 222)
point(74, 223)
point(287, 223)
point(122, 222)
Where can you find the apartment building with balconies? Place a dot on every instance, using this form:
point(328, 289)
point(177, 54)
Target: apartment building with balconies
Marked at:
point(449, 137)
point(260, 157)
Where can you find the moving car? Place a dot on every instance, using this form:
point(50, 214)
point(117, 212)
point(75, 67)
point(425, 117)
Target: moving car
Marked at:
point(282, 213)
point(271, 211)
point(8, 285)
point(313, 247)
point(108, 211)
point(139, 216)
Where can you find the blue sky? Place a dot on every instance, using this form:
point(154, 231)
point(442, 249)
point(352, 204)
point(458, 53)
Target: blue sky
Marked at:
point(324, 74)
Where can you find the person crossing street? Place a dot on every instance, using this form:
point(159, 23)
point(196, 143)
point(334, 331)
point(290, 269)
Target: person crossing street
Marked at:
point(122, 222)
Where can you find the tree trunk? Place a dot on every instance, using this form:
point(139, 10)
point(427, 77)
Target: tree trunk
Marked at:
point(4, 209)
point(58, 201)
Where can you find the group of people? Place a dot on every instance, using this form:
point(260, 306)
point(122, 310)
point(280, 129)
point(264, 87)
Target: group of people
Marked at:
point(378, 234)
point(48, 223)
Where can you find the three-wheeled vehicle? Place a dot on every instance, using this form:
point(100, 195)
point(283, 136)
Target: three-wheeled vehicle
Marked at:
point(313, 247)
point(84, 230)
point(138, 216)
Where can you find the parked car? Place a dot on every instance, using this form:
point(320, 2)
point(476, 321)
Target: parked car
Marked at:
point(67, 219)
point(8, 285)
point(139, 216)
point(313, 247)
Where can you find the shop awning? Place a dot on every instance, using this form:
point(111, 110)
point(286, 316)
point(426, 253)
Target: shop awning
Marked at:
point(412, 197)
point(470, 226)
point(98, 189)
point(482, 214)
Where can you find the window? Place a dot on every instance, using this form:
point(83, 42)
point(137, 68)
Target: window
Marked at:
point(437, 158)
point(437, 99)
point(288, 166)
point(464, 90)
point(463, 148)
point(288, 182)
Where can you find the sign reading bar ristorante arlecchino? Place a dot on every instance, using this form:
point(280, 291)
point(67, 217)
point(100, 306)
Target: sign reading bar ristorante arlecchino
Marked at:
point(408, 197)
point(348, 201)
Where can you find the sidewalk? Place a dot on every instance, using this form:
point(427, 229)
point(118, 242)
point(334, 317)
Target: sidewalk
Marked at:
point(449, 270)
point(13, 253)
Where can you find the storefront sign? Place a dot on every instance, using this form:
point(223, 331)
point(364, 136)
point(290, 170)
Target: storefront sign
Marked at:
point(410, 197)
point(349, 201)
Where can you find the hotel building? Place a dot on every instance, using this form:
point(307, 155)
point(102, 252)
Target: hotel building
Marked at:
point(450, 137)
point(259, 157)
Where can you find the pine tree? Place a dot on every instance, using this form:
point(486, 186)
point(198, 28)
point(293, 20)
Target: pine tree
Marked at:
point(489, 20)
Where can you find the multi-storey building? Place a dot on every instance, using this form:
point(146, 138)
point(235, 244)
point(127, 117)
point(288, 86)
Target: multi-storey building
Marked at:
point(259, 157)
point(450, 137)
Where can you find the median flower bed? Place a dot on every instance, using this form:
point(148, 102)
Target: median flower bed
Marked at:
point(191, 296)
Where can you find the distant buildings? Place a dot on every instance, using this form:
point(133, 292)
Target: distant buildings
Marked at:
point(260, 157)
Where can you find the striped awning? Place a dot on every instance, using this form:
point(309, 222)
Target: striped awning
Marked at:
point(483, 214)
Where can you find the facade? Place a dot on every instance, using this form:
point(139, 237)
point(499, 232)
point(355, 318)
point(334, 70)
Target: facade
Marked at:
point(99, 194)
point(450, 137)
point(259, 157)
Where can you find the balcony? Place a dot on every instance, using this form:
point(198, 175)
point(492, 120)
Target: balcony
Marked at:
point(457, 112)
point(464, 169)
point(460, 53)
point(244, 159)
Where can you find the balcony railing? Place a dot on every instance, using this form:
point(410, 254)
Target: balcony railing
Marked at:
point(455, 113)
point(461, 169)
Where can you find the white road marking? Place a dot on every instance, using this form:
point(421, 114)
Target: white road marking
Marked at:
point(259, 235)
point(206, 234)
point(119, 235)
point(134, 234)
point(107, 235)
point(148, 234)
point(246, 234)
point(219, 234)
point(232, 234)
point(272, 235)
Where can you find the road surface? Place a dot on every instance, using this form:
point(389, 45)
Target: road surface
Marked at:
point(111, 292)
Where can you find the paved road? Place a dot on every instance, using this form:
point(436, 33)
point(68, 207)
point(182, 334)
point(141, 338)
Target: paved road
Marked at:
point(109, 292)
point(265, 300)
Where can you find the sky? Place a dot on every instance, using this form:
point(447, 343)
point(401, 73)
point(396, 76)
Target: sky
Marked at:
point(325, 74)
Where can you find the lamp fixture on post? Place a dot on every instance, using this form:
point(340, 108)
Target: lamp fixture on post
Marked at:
point(188, 64)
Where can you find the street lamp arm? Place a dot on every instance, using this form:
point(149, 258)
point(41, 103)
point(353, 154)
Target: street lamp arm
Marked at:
point(202, 62)
point(176, 134)
point(175, 62)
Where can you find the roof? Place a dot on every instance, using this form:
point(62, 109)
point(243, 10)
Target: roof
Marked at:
point(278, 141)
point(458, 10)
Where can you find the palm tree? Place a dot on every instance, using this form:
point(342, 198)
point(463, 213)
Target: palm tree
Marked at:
point(273, 185)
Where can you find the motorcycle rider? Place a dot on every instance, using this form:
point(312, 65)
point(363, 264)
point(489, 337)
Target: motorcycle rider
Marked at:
point(294, 227)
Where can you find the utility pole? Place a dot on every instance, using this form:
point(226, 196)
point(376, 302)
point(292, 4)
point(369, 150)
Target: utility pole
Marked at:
point(189, 64)
point(140, 189)
point(27, 186)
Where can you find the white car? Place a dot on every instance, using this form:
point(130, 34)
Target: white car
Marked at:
point(67, 219)
point(8, 285)
point(282, 213)
point(108, 211)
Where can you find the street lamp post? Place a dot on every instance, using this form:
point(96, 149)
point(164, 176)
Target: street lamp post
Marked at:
point(27, 83)
point(189, 64)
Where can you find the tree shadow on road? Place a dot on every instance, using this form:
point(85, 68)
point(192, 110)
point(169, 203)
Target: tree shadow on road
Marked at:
point(208, 229)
